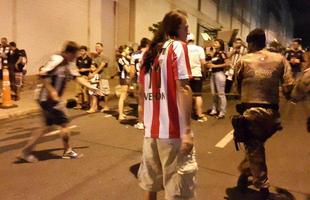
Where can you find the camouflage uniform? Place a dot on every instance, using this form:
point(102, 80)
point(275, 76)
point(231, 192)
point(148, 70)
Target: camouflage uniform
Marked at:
point(257, 79)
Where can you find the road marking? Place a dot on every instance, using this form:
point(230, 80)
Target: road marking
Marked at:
point(223, 142)
point(45, 135)
point(58, 131)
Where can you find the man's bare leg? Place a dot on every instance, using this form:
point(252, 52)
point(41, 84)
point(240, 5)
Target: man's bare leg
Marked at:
point(150, 196)
point(199, 103)
point(28, 149)
point(64, 132)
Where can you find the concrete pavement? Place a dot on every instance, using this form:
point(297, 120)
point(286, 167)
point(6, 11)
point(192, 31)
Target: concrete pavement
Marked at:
point(113, 150)
point(28, 106)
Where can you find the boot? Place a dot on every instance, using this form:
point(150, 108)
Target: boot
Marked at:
point(264, 193)
point(243, 183)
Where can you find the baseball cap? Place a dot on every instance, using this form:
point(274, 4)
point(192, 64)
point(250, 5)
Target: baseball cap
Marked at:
point(190, 37)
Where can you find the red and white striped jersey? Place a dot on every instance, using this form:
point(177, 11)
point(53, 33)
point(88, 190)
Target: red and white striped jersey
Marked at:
point(162, 117)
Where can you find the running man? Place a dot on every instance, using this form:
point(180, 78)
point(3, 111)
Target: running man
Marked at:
point(53, 75)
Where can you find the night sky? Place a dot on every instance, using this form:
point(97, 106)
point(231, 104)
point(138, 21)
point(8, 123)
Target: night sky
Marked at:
point(301, 15)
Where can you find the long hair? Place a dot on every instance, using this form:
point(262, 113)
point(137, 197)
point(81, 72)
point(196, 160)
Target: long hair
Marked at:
point(168, 28)
point(119, 51)
point(222, 44)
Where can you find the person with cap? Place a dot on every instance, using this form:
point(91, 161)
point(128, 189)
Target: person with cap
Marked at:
point(197, 60)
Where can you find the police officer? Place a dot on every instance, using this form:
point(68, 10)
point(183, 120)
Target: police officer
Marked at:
point(258, 75)
point(295, 56)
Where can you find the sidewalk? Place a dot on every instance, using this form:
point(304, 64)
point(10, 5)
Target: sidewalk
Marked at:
point(27, 104)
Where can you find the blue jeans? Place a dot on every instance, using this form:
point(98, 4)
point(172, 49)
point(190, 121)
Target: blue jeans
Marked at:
point(217, 83)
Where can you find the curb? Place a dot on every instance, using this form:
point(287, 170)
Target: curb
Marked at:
point(20, 114)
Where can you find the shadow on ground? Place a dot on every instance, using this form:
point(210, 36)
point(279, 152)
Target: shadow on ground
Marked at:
point(21, 144)
point(46, 154)
point(251, 194)
point(134, 169)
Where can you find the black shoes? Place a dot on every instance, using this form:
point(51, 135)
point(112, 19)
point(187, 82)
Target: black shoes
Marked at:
point(243, 183)
point(264, 194)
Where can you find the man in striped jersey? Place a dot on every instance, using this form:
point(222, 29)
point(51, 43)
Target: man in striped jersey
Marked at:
point(168, 160)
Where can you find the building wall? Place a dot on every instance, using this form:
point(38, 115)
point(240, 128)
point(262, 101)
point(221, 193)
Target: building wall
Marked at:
point(148, 12)
point(42, 26)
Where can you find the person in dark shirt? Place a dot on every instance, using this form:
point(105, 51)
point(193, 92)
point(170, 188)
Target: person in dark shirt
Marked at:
point(14, 57)
point(123, 61)
point(295, 56)
point(83, 63)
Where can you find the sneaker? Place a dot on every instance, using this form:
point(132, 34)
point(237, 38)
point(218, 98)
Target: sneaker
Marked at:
point(202, 118)
point(212, 113)
point(70, 154)
point(105, 109)
point(91, 111)
point(139, 126)
point(28, 157)
point(220, 116)
point(265, 194)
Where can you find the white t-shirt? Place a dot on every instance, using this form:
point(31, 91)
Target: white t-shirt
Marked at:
point(196, 54)
point(162, 115)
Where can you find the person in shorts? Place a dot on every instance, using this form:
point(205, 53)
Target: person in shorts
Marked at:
point(168, 157)
point(94, 80)
point(197, 60)
point(123, 61)
point(54, 77)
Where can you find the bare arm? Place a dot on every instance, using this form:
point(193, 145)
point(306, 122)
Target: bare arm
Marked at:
point(100, 67)
point(224, 65)
point(141, 104)
point(203, 66)
point(50, 89)
point(184, 98)
point(86, 83)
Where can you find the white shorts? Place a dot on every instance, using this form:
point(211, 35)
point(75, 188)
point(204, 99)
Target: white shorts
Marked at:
point(162, 167)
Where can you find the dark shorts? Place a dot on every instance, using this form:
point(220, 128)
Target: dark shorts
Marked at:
point(54, 113)
point(196, 86)
point(123, 81)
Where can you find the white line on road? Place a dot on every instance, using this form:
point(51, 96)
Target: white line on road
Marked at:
point(223, 142)
point(58, 131)
point(45, 135)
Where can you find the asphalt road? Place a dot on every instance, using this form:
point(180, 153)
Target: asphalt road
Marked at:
point(113, 150)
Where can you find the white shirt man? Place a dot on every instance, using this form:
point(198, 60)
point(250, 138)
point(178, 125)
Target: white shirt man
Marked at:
point(197, 59)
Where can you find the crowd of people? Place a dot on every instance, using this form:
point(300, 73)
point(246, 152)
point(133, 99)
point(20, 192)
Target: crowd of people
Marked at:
point(15, 61)
point(166, 74)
